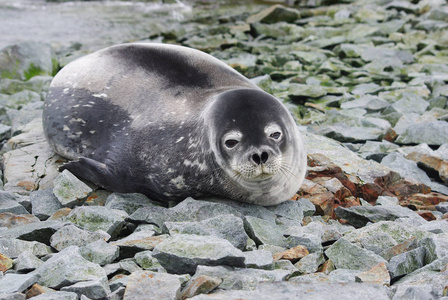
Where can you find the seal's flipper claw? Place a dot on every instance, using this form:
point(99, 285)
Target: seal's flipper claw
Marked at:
point(91, 170)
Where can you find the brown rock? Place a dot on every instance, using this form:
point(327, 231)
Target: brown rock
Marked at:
point(431, 164)
point(377, 274)
point(10, 220)
point(400, 248)
point(293, 254)
point(390, 135)
point(429, 199)
point(427, 215)
point(324, 203)
point(5, 263)
point(309, 187)
point(327, 267)
point(36, 290)
point(203, 284)
point(63, 212)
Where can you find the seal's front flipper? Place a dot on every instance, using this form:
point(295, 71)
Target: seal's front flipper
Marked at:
point(91, 170)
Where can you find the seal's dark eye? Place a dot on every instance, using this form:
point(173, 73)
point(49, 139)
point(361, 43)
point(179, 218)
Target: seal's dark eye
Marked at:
point(275, 135)
point(231, 143)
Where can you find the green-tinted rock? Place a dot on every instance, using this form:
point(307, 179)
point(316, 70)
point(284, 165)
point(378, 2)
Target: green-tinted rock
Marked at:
point(346, 255)
point(264, 232)
point(69, 190)
point(274, 14)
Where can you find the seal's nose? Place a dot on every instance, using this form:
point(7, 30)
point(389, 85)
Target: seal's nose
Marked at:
point(259, 159)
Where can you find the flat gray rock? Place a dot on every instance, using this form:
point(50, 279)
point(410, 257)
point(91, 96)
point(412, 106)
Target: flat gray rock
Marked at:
point(182, 253)
point(12, 283)
point(69, 190)
point(12, 206)
point(44, 203)
point(432, 133)
point(227, 227)
point(150, 285)
point(71, 235)
point(346, 255)
point(128, 202)
point(259, 259)
point(407, 262)
point(93, 289)
point(264, 232)
point(37, 231)
point(95, 218)
point(100, 252)
point(296, 290)
point(67, 268)
point(27, 262)
point(14, 247)
point(59, 295)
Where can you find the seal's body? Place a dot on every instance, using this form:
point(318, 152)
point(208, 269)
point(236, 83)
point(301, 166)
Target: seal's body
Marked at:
point(172, 122)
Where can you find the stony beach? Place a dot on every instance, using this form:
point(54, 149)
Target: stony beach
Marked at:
point(366, 82)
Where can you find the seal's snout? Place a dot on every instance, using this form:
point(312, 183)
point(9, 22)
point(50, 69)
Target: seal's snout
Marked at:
point(259, 159)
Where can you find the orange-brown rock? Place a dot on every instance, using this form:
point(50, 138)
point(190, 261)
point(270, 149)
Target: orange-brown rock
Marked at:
point(293, 254)
point(377, 274)
point(324, 203)
point(432, 198)
point(431, 164)
point(5, 263)
point(327, 267)
point(400, 248)
point(36, 290)
point(390, 135)
point(10, 220)
point(63, 212)
point(427, 215)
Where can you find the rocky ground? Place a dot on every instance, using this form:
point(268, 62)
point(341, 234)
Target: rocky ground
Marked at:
point(366, 81)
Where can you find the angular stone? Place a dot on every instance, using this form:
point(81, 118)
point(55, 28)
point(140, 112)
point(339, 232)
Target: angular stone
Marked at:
point(346, 255)
point(93, 218)
point(27, 262)
point(12, 283)
point(129, 202)
point(68, 267)
point(93, 289)
point(150, 285)
point(57, 295)
point(410, 103)
point(44, 203)
point(200, 285)
point(9, 220)
point(420, 291)
point(183, 253)
point(124, 266)
point(227, 227)
point(378, 274)
point(298, 290)
point(359, 216)
point(100, 252)
point(138, 241)
point(11, 206)
point(69, 190)
point(145, 260)
point(14, 247)
point(439, 226)
point(97, 198)
point(5, 263)
point(312, 242)
point(436, 246)
point(25, 60)
point(71, 235)
point(264, 232)
point(118, 281)
point(36, 290)
point(407, 262)
point(432, 133)
point(310, 263)
point(431, 164)
point(240, 279)
point(302, 90)
point(258, 259)
point(292, 254)
point(274, 14)
point(38, 231)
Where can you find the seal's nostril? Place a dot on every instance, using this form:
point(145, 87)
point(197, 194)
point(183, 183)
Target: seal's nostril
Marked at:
point(264, 157)
point(256, 159)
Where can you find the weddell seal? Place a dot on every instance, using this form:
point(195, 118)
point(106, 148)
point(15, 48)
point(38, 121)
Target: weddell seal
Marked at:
point(171, 122)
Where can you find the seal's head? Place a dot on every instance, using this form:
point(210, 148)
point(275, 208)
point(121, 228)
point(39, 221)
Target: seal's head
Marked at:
point(256, 143)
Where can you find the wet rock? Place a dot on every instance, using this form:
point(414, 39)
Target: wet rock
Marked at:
point(100, 252)
point(128, 202)
point(227, 227)
point(94, 218)
point(147, 284)
point(14, 247)
point(71, 235)
point(67, 268)
point(44, 203)
point(240, 279)
point(93, 289)
point(264, 232)
point(37, 231)
point(25, 60)
point(350, 256)
point(27, 262)
point(69, 190)
point(183, 253)
point(274, 14)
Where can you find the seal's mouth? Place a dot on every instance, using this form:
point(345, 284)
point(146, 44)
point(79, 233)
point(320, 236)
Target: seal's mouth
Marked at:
point(263, 176)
